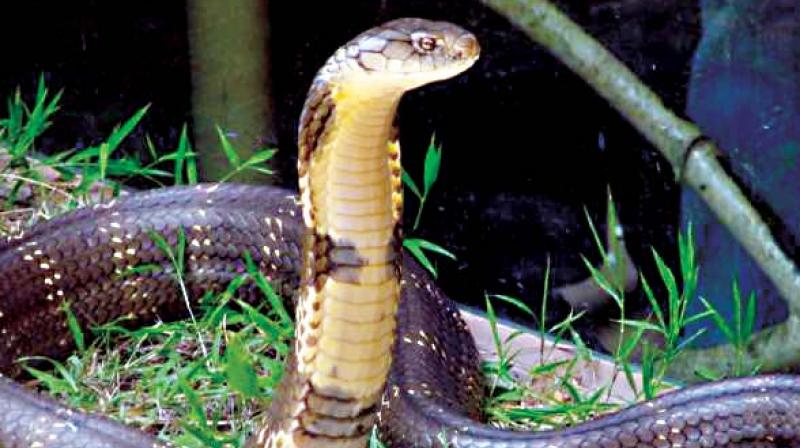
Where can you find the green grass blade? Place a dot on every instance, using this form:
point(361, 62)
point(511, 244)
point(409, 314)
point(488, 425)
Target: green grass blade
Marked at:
point(228, 149)
point(74, 327)
point(603, 282)
point(737, 314)
point(598, 242)
point(517, 303)
point(719, 321)
point(273, 298)
point(413, 246)
point(433, 160)
point(180, 156)
point(749, 317)
point(374, 441)
point(239, 369)
point(411, 184)
point(120, 132)
point(654, 305)
point(260, 157)
point(433, 247)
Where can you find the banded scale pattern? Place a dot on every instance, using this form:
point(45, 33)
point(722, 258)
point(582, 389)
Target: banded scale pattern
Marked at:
point(435, 388)
point(67, 260)
point(351, 196)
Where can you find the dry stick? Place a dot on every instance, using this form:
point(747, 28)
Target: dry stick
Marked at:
point(693, 158)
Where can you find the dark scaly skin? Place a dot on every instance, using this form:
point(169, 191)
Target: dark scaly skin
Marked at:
point(434, 387)
point(28, 420)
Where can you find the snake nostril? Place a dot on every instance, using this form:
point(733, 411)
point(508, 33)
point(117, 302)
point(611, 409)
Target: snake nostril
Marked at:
point(467, 46)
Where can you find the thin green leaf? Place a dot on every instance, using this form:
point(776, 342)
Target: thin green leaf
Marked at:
point(261, 321)
point(654, 305)
point(411, 184)
point(119, 133)
point(260, 157)
point(630, 344)
point(750, 316)
point(547, 368)
point(697, 317)
point(719, 321)
point(374, 441)
point(491, 316)
point(103, 159)
point(641, 325)
point(413, 246)
point(239, 370)
point(196, 408)
point(181, 250)
point(228, 149)
point(180, 156)
point(707, 374)
point(688, 341)
point(433, 160)
point(151, 147)
point(602, 281)
point(52, 382)
point(520, 305)
point(274, 299)
point(74, 327)
point(433, 247)
point(66, 378)
point(667, 277)
point(686, 252)
point(595, 234)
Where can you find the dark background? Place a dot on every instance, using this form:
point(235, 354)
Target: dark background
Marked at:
point(526, 144)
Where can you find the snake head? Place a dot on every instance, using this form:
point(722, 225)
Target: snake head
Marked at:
point(406, 53)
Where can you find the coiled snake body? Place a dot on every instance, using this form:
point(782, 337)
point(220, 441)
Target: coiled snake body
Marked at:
point(340, 253)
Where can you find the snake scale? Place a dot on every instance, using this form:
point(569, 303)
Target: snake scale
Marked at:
point(337, 249)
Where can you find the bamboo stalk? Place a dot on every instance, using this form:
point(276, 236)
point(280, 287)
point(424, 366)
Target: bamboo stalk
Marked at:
point(231, 83)
point(693, 158)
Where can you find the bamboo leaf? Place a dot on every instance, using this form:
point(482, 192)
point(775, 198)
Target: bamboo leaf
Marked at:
point(411, 184)
point(413, 246)
point(228, 149)
point(433, 247)
point(433, 160)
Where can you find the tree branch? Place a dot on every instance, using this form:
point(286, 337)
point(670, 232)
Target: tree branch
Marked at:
point(693, 157)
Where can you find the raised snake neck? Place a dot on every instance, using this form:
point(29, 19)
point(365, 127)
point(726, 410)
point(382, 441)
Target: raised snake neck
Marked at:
point(434, 388)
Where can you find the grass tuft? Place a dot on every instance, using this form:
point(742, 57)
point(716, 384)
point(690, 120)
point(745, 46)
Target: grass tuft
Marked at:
point(202, 381)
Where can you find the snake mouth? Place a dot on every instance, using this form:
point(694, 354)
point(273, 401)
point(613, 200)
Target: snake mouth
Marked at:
point(466, 48)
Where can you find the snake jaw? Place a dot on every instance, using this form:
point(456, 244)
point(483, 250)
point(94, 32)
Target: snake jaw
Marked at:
point(466, 47)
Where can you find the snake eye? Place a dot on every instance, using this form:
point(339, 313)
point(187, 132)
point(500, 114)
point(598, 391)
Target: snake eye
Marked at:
point(424, 43)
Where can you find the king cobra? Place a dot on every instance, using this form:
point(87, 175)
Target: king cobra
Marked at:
point(358, 356)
